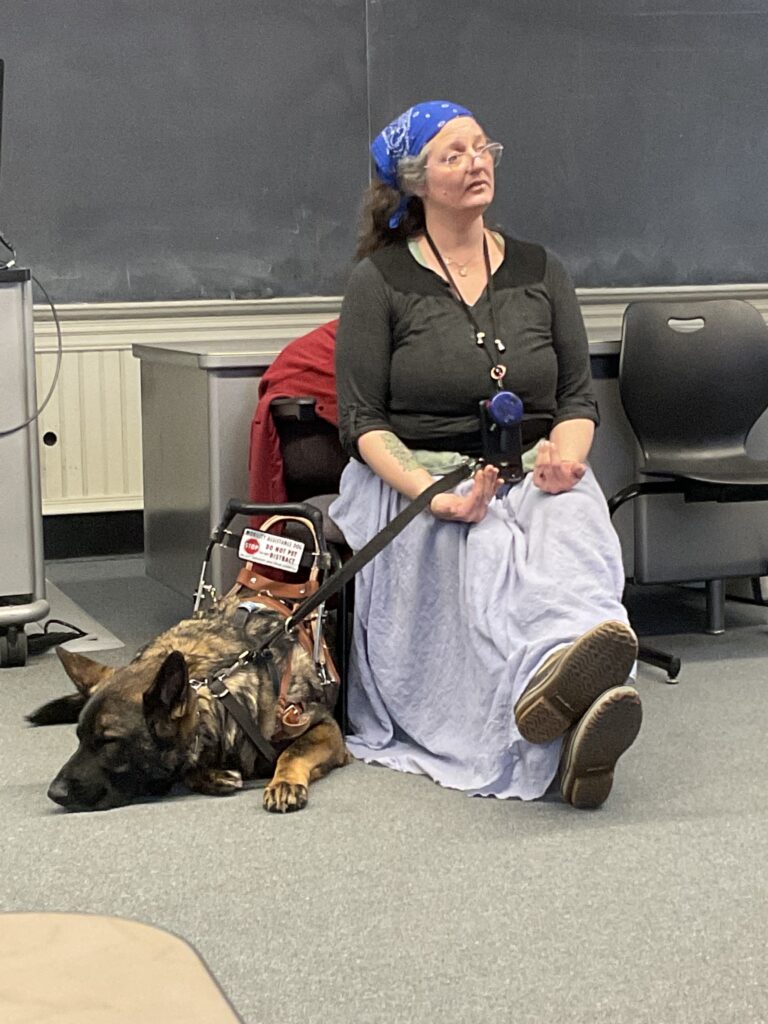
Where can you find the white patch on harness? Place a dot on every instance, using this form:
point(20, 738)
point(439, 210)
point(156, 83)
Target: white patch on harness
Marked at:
point(269, 549)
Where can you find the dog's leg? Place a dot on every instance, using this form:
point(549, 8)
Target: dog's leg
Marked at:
point(308, 758)
point(213, 781)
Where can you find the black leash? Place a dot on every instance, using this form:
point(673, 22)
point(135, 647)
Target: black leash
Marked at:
point(372, 548)
point(221, 692)
point(218, 688)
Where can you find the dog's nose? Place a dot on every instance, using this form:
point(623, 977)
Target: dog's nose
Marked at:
point(58, 791)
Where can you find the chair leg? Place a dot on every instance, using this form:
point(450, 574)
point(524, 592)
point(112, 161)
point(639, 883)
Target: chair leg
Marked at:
point(715, 606)
point(660, 659)
point(670, 663)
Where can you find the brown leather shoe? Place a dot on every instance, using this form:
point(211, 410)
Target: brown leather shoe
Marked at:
point(572, 678)
point(596, 743)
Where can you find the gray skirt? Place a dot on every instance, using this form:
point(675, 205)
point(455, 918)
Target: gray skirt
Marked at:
point(452, 620)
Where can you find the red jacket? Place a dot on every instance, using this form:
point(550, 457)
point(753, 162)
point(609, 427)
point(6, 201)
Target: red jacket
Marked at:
point(304, 367)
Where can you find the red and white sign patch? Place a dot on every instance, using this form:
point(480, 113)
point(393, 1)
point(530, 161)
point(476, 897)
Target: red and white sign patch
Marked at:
point(269, 549)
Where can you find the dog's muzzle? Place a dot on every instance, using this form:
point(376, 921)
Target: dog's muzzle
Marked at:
point(67, 794)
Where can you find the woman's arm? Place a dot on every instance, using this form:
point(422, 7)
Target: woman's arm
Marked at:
point(573, 439)
point(390, 459)
point(560, 460)
point(363, 354)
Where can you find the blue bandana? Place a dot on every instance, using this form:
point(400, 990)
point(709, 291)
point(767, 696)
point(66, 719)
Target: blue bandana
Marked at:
point(407, 135)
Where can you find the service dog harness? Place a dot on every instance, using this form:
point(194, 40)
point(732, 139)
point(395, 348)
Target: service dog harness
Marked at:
point(292, 718)
point(295, 602)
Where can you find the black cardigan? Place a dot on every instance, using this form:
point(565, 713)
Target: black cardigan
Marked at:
point(407, 360)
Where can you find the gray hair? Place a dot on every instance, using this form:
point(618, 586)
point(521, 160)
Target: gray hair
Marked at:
point(412, 172)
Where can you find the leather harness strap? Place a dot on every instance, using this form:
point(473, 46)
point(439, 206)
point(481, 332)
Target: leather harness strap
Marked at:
point(218, 688)
point(291, 717)
point(253, 580)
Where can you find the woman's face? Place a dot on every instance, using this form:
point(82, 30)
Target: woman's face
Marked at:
point(457, 176)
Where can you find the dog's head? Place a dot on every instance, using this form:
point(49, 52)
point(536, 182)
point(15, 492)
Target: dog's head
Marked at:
point(134, 729)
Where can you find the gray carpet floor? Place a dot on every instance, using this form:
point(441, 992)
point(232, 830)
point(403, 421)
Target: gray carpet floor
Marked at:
point(392, 900)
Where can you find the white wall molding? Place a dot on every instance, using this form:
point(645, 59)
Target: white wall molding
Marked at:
point(112, 325)
point(120, 325)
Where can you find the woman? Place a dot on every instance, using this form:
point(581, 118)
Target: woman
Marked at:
point(492, 627)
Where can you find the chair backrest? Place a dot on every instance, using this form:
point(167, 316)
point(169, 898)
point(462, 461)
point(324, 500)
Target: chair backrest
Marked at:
point(693, 376)
point(313, 459)
point(290, 459)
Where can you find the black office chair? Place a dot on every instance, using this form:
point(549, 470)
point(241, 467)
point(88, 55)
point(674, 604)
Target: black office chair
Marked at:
point(313, 459)
point(693, 380)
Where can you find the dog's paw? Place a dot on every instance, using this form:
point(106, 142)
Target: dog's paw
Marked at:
point(284, 797)
point(215, 781)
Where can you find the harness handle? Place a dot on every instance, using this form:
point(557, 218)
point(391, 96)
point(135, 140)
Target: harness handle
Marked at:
point(316, 536)
point(293, 510)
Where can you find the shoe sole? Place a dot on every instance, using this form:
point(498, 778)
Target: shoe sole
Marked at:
point(598, 661)
point(606, 731)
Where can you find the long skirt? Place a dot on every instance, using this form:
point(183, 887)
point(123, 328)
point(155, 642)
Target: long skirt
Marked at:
point(452, 620)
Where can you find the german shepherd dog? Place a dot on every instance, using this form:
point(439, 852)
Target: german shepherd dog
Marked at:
point(144, 728)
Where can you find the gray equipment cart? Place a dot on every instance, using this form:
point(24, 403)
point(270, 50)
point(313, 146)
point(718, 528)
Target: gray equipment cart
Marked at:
point(22, 569)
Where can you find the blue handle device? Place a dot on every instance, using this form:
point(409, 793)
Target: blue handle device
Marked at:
point(500, 419)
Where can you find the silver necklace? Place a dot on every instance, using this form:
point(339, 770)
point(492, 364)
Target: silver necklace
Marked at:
point(463, 268)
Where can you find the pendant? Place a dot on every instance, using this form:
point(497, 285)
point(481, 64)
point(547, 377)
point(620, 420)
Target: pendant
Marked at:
point(499, 344)
point(462, 271)
point(498, 371)
point(480, 337)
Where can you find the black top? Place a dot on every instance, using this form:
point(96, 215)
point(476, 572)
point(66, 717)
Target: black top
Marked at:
point(407, 359)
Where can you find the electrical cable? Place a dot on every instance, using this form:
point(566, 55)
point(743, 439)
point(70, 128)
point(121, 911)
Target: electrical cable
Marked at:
point(47, 638)
point(59, 345)
point(11, 262)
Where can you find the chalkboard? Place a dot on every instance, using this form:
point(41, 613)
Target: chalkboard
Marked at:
point(636, 131)
point(175, 149)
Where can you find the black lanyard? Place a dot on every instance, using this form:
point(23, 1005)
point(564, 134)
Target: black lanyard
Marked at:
point(498, 370)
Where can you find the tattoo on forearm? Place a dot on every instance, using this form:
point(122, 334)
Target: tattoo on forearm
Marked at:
point(398, 450)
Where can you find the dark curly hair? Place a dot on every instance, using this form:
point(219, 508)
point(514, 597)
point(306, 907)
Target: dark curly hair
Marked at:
point(379, 203)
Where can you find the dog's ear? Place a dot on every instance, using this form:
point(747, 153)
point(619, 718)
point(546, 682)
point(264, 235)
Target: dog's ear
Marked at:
point(167, 701)
point(61, 711)
point(85, 673)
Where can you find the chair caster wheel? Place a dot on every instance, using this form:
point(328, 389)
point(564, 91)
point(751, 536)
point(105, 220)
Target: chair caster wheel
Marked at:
point(673, 671)
point(13, 647)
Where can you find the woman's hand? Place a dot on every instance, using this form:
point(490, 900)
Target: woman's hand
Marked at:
point(553, 474)
point(472, 506)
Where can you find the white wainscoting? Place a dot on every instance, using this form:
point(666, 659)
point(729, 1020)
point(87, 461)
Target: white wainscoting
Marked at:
point(90, 432)
point(93, 420)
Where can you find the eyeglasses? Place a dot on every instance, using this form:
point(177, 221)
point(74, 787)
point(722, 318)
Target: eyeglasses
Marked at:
point(464, 161)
